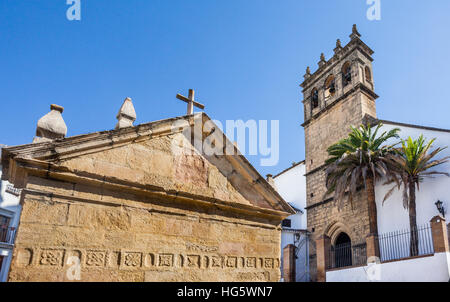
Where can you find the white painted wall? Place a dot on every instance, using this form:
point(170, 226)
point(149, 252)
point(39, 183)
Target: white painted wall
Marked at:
point(9, 206)
point(291, 185)
point(392, 216)
point(427, 269)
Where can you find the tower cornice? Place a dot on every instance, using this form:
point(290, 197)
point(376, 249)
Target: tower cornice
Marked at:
point(358, 88)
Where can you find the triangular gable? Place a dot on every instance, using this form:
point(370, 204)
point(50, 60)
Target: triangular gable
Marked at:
point(148, 155)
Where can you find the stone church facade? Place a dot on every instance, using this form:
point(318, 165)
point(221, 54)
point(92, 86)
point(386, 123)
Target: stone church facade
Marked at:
point(339, 94)
point(126, 205)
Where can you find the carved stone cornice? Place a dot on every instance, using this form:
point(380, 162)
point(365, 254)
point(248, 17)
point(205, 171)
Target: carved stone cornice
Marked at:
point(50, 171)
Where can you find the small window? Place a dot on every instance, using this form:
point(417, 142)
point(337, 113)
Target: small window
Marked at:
point(286, 223)
point(315, 98)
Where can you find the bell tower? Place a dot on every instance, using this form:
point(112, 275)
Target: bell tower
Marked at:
point(340, 93)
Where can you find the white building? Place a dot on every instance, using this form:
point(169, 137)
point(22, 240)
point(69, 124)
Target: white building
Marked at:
point(291, 184)
point(393, 221)
point(9, 220)
point(392, 216)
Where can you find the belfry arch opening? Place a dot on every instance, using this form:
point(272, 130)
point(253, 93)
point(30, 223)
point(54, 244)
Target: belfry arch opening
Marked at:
point(315, 98)
point(330, 87)
point(346, 74)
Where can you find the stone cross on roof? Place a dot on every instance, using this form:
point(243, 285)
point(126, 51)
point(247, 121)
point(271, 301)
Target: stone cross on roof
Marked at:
point(190, 102)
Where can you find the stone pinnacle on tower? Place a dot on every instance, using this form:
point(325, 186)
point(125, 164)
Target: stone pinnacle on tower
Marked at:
point(308, 73)
point(322, 60)
point(338, 46)
point(355, 34)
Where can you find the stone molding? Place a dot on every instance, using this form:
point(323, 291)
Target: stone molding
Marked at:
point(360, 87)
point(132, 259)
point(440, 235)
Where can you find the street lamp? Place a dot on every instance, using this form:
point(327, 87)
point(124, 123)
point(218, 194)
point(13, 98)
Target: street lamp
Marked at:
point(440, 207)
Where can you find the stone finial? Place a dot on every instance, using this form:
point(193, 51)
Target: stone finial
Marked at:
point(51, 126)
point(338, 48)
point(322, 60)
point(355, 34)
point(126, 115)
point(308, 73)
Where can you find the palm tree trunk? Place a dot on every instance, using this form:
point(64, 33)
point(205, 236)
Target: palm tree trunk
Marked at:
point(370, 190)
point(414, 242)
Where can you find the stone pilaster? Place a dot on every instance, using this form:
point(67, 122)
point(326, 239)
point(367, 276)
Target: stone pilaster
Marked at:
point(372, 246)
point(323, 251)
point(440, 235)
point(289, 263)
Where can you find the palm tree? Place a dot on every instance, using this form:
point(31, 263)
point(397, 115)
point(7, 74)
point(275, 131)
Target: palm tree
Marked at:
point(412, 163)
point(359, 160)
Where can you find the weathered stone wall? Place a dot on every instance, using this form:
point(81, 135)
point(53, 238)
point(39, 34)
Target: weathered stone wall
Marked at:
point(321, 134)
point(161, 162)
point(326, 130)
point(126, 237)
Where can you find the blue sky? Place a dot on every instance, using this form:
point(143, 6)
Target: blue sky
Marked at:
point(244, 58)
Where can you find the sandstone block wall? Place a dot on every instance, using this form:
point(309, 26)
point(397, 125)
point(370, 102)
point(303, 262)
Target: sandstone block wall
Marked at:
point(126, 237)
point(320, 134)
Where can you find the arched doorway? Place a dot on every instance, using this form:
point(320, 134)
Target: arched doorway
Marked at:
point(343, 251)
